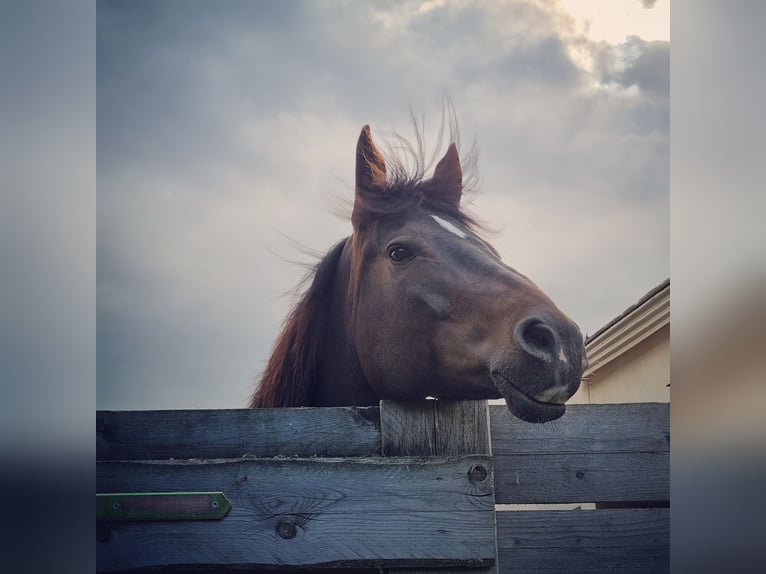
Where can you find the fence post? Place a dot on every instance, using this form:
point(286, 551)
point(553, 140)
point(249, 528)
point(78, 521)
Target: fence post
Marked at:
point(436, 428)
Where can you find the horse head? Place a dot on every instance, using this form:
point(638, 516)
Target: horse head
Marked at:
point(435, 312)
point(415, 304)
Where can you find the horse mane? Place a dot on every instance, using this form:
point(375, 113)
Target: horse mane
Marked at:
point(291, 373)
point(405, 193)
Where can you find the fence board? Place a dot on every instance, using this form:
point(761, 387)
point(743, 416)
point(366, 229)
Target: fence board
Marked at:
point(652, 560)
point(637, 427)
point(595, 453)
point(542, 479)
point(434, 428)
point(231, 433)
point(362, 512)
point(626, 541)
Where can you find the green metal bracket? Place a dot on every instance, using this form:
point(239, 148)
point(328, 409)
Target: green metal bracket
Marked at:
point(116, 507)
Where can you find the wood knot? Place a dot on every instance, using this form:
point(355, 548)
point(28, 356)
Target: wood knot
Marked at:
point(477, 473)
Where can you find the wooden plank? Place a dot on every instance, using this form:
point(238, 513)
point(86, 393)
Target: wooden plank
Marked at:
point(638, 528)
point(601, 477)
point(308, 512)
point(594, 453)
point(652, 560)
point(572, 541)
point(635, 427)
point(434, 428)
point(328, 432)
point(438, 428)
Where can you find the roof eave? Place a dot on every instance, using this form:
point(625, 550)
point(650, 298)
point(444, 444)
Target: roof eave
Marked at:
point(628, 330)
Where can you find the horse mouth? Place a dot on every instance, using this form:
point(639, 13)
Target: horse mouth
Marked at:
point(525, 407)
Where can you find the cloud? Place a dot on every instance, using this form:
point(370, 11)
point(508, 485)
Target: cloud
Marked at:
point(635, 62)
point(650, 71)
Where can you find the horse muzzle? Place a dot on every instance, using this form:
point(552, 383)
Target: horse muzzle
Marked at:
point(544, 370)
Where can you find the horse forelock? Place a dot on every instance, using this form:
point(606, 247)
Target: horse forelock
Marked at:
point(409, 189)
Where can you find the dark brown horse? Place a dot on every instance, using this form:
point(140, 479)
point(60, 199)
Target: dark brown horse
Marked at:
point(414, 304)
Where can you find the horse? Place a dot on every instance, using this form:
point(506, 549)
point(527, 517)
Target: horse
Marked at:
point(415, 304)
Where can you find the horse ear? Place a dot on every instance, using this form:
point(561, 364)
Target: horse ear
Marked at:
point(370, 176)
point(370, 167)
point(448, 176)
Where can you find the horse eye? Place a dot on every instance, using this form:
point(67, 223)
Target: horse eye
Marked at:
point(400, 254)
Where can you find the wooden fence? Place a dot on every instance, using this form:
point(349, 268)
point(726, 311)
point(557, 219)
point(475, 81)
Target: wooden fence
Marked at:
point(403, 485)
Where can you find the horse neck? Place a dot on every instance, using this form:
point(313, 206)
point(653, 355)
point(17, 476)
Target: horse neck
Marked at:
point(340, 380)
point(313, 362)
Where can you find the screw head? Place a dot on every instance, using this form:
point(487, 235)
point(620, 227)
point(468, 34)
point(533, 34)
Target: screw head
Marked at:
point(286, 530)
point(477, 473)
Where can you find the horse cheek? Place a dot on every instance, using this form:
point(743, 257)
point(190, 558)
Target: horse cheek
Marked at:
point(393, 349)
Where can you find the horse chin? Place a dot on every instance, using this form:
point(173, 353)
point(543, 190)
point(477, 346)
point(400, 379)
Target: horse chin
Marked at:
point(525, 407)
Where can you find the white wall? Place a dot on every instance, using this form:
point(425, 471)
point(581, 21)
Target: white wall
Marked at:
point(641, 374)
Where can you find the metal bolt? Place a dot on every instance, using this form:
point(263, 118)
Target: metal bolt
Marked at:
point(477, 473)
point(115, 506)
point(580, 474)
point(286, 530)
point(214, 504)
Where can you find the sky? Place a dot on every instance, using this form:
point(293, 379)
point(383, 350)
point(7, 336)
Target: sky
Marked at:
point(225, 150)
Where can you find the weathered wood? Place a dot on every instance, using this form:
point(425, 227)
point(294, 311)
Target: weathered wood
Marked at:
point(309, 512)
point(652, 560)
point(541, 479)
point(636, 427)
point(595, 453)
point(137, 435)
point(434, 428)
point(639, 528)
point(393, 512)
point(572, 541)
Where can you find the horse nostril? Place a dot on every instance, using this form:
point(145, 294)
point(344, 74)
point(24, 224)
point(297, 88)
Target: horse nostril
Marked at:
point(536, 338)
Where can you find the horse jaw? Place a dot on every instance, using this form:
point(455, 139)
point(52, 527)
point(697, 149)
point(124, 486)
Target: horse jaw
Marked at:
point(525, 407)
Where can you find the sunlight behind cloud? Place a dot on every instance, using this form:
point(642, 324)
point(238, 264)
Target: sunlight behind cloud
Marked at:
point(604, 38)
point(430, 5)
point(613, 21)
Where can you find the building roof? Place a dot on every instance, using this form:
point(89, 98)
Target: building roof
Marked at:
point(645, 317)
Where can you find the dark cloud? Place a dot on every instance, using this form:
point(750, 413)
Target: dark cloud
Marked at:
point(651, 69)
point(544, 60)
point(635, 63)
point(518, 44)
